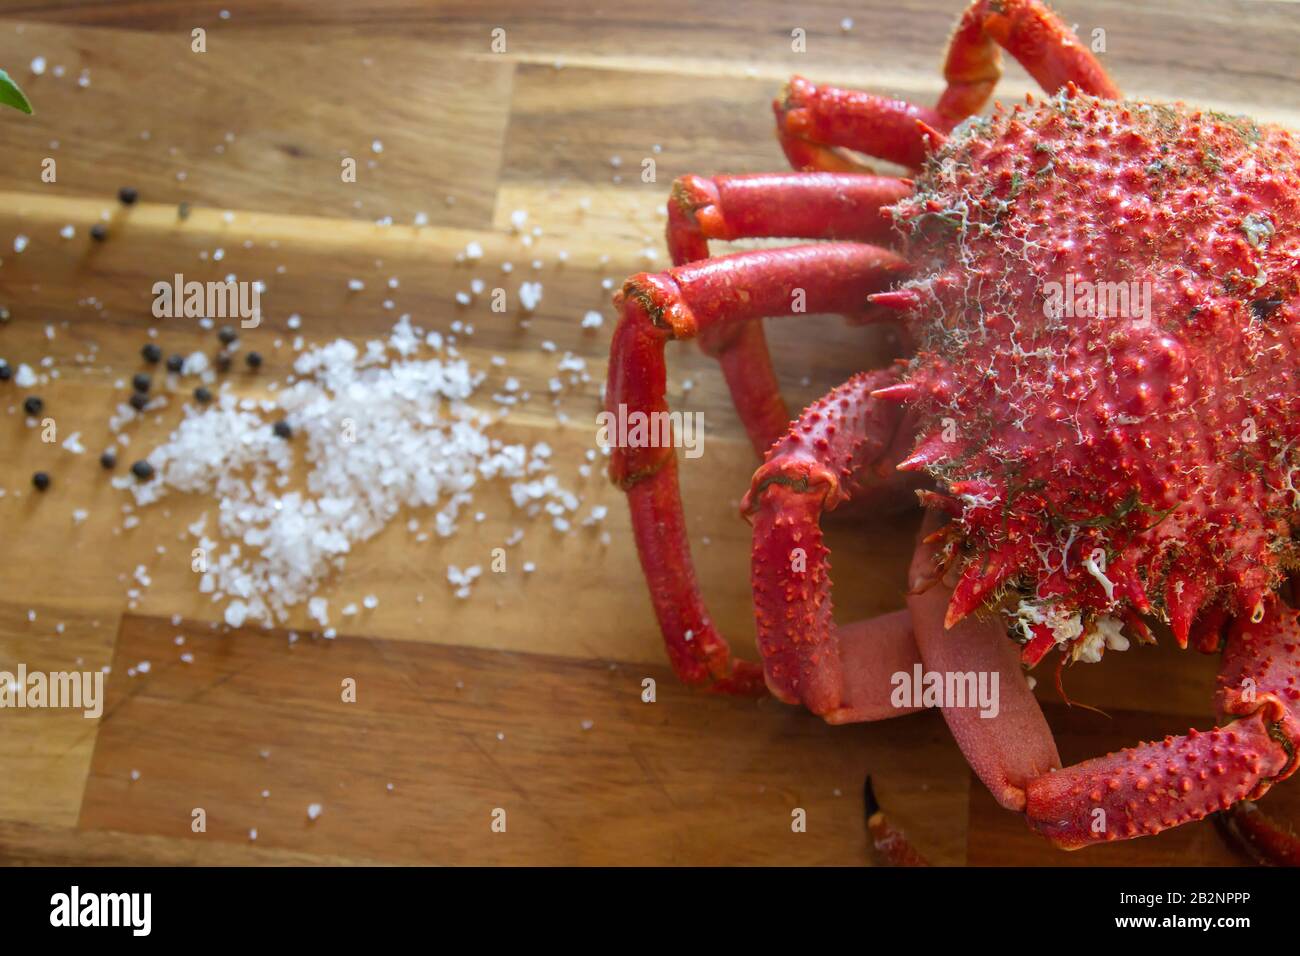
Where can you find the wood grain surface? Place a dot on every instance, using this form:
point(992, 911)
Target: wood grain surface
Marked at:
point(527, 697)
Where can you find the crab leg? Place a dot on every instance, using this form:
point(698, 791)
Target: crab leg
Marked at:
point(1262, 839)
point(890, 842)
point(812, 120)
point(1031, 33)
point(1012, 748)
point(1009, 750)
point(1245, 823)
point(781, 205)
point(837, 450)
point(1139, 790)
point(794, 205)
point(1154, 786)
point(679, 304)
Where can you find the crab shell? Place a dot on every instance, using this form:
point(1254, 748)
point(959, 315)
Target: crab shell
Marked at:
point(1109, 326)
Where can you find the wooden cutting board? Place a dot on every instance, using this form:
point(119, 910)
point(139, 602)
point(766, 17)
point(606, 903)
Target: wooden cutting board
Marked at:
point(525, 698)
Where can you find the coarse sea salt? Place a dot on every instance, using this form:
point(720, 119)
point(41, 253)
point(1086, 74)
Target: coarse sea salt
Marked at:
point(530, 295)
point(25, 377)
point(376, 430)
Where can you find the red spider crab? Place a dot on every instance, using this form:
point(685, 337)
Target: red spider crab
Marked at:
point(1085, 465)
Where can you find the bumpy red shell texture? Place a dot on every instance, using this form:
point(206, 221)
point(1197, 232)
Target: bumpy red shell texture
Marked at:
point(1141, 456)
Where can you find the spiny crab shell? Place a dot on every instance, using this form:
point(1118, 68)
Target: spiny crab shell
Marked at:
point(1105, 463)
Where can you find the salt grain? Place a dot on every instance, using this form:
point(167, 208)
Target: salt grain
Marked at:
point(530, 295)
point(414, 441)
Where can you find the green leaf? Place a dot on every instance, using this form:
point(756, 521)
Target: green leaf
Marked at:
point(11, 95)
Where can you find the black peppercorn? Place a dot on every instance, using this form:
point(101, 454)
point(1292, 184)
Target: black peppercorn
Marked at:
point(32, 405)
point(151, 353)
point(141, 382)
point(142, 470)
point(108, 460)
point(41, 480)
point(127, 195)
